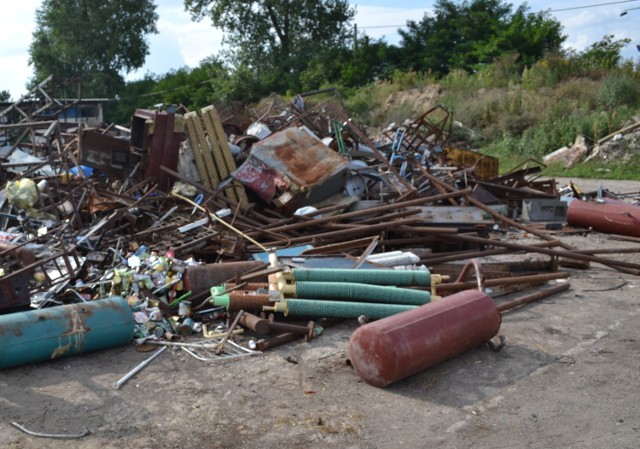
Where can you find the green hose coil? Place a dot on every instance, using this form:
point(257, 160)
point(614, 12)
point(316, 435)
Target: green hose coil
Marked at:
point(349, 291)
point(376, 277)
point(338, 309)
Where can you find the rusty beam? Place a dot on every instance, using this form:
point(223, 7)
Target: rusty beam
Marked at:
point(511, 280)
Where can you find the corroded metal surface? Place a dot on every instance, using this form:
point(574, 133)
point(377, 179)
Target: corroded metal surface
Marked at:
point(388, 350)
point(609, 216)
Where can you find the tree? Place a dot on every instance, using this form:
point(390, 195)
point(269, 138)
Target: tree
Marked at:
point(97, 40)
point(604, 54)
point(275, 39)
point(5, 95)
point(474, 33)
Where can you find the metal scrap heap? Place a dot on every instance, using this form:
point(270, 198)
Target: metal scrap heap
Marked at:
point(277, 220)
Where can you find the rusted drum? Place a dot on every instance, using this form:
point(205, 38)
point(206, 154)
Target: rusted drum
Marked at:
point(198, 278)
point(609, 216)
point(390, 349)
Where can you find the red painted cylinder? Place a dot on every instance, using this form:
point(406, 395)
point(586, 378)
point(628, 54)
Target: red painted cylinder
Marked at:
point(390, 349)
point(610, 216)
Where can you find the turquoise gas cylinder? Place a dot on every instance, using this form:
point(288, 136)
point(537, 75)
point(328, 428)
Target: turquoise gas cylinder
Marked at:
point(49, 333)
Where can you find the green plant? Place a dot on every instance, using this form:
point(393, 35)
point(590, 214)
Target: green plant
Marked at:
point(618, 90)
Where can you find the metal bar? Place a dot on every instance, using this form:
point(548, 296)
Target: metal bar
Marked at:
point(229, 332)
point(366, 253)
point(533, 297)
point(567, 254)
point(348, 233)
point(379, 209)
point(138, 368)
point(441, 288)
point(50, 435)
point(493, 213)
point(438, 258)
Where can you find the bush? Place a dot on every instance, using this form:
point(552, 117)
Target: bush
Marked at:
point(618, 90)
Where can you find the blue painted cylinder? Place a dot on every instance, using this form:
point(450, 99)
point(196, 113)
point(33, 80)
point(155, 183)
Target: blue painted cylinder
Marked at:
point(53, 332)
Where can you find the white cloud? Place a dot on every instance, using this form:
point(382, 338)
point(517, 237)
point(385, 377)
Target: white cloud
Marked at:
point(182, 42)
point(17, 26)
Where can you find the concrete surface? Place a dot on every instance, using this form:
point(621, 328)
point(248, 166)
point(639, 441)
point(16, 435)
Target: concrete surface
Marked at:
point(568, 377)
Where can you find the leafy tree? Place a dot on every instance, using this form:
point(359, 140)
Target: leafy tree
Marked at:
point(474, 33)
point(96, 40)
point(5, 95)
point(275, 39)
point(604, 54)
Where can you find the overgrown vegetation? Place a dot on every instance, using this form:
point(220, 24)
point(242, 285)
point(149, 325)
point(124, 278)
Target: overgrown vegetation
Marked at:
point(500, 70)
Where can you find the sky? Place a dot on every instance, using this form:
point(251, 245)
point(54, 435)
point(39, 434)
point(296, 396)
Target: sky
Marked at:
point(182, 42)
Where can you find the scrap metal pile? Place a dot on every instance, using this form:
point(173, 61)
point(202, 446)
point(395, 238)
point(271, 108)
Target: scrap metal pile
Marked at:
point(205, 223)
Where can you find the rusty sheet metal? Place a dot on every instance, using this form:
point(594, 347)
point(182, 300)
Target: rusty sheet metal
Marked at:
point(107, 153)
point(14, 290)
point(607, 215)
point(457, 215)
point(484, 166)
point(156, 137)
point(292, 168)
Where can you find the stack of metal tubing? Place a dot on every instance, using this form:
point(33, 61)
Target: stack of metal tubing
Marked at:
point(333, 293)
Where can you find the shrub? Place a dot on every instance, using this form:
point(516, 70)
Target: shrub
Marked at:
point(618, 90)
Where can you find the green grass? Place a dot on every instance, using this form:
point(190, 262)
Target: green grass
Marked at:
point(517, 117)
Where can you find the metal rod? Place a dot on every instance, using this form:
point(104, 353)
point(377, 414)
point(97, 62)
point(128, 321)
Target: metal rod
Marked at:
point(50, 435)
point(138, 368)
point(533, 297)
point(348, 233)
point(229, 333)
point(568, 254)
point(372, 210)
point(493, 213)
point(366, 253)
point(441, 288)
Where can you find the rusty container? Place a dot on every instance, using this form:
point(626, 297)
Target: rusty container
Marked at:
point(200, 278)
point(390, 349)
point(608, 216)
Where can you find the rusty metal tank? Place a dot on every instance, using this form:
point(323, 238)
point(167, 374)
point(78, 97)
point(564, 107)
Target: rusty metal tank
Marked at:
point(393, 348)
point(608, 216)
point(200, 278)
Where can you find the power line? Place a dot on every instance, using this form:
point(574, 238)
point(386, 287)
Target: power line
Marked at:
point(550, 10)
point(592, 6)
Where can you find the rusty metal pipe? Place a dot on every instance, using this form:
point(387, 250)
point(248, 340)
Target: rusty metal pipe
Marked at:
point(258, 325)
point(364, 212)
point(349, 233)
point(533, 297)
point(512, 280)
point(536, 249)
point(611, 217)
point(292, 328)
point(567, 254)
point(493, 213)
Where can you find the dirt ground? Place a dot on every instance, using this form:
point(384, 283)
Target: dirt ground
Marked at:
point(569, 376)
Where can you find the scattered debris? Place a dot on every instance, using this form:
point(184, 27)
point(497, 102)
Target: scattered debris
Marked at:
point(222, 220)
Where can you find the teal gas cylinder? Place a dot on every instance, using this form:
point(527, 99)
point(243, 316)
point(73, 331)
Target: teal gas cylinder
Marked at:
point(49, 333)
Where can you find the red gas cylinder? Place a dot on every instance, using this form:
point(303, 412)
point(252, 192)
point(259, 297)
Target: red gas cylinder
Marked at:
point(608, 215)
point(390, 349)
